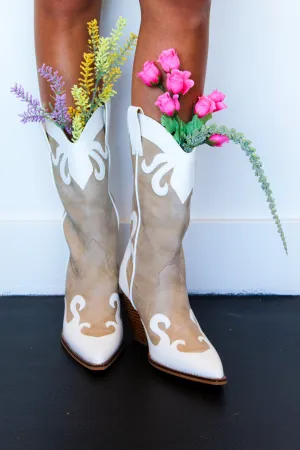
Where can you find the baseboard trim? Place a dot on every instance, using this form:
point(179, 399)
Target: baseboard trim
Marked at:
point(222, 257)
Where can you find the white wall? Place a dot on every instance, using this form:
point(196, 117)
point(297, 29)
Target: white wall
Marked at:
point(232, 245)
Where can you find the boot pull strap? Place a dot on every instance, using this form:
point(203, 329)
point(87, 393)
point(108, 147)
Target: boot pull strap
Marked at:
point(135, 130)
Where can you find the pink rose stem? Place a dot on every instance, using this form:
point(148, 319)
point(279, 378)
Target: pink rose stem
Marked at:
point(166, 25)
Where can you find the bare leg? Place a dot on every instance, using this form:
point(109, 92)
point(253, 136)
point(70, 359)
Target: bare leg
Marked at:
point(179, 24)
point(61, 38)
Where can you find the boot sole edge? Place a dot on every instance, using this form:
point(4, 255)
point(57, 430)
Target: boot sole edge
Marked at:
point(92, 367)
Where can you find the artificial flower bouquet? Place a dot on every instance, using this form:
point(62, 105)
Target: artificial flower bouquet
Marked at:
point(100, 69)
point(175, 83)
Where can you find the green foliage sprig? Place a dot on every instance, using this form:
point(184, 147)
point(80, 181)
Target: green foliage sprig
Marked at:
point(202, 135)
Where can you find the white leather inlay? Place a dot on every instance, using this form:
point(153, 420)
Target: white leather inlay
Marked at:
point(107, 107)
point(73, 158)
point(205, 364)
point(172, 157)
point(175, 158)
point(123, 279)
point(94, 350)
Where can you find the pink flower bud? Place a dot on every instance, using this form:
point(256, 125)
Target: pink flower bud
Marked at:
point(176, 101)
point(167, 104)
point(178, 81)
point(169, 60)
point(217, 140)
point(204, 106)
point(220, 106)
point(150, 74)
point(217, 96)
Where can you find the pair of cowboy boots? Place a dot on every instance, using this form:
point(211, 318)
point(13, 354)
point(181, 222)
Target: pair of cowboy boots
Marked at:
point(152, 273)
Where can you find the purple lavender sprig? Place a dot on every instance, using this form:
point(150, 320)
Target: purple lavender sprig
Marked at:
point(56, 82)
point(59, 112)
point(35, 111)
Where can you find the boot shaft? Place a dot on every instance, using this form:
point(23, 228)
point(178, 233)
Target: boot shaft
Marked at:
point(163, 182)
point(81, 175)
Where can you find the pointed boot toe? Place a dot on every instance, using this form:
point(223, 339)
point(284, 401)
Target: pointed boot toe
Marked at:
point(93, 352)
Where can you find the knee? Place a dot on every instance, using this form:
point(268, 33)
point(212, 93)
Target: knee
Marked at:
point(66, 9)
point(190, 14)
point(194, 13)
point(197, 11)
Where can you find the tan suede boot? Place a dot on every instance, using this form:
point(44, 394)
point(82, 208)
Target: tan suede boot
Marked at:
point(92, 328)
point(152, 274)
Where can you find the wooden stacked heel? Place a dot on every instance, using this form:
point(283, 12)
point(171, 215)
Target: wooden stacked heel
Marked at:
point(135, 322)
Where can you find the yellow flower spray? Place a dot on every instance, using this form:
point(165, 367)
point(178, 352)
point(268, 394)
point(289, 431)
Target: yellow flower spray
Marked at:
point(100, 69)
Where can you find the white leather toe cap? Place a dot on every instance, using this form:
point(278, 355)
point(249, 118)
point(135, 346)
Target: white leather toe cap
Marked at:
point(204, 365)
point(94, 350)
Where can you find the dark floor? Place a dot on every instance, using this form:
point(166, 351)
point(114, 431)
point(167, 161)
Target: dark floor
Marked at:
point(48, 402)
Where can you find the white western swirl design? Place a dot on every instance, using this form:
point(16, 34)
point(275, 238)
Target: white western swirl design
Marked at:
point(123, 278)
point(95, 350)
point(165, 341)
point(159, 159)
point(206, 363)
point(170, 157)
point(74, 158)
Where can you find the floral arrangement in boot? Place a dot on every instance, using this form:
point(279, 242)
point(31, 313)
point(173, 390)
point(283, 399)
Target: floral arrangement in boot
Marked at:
point(100, 69)
point(175, 83)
